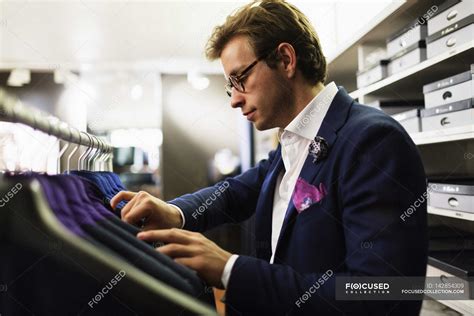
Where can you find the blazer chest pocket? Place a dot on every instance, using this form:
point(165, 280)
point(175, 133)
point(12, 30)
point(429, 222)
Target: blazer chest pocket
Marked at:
point(315, 210)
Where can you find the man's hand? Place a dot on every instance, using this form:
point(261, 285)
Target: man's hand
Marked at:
point(192, 250)
point(158, 213)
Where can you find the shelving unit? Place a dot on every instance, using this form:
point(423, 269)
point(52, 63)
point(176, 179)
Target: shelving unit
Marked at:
point(408, 85)
point(413, 79)
point(445, 135)
point(343, 66)
point(462, 215)
point(465, 307)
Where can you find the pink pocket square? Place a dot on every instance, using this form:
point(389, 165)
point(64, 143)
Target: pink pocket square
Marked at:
point(306, 194)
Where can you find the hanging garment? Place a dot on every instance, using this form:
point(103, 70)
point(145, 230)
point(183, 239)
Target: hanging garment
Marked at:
point(88, 192)
point(91, 219)
point(78, 205)
point(42, 279)
point(108, 183)
point(97, 225)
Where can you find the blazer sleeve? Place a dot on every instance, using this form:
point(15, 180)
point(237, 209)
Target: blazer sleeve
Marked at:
point(230, 201)
point(381, 176)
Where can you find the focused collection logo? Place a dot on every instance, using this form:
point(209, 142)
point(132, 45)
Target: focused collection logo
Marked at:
point(367, 288)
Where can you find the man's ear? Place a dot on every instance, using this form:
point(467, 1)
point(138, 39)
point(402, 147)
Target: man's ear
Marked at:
point(287, 57)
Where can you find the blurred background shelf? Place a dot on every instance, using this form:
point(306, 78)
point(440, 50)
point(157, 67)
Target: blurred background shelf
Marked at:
point(408, 84)
point(465, 307)
point(446, 135)
point(450, 213)
point(343, 66)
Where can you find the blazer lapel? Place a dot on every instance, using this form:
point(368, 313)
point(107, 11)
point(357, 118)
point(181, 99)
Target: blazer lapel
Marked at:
point(263, 218)
point(332, 122)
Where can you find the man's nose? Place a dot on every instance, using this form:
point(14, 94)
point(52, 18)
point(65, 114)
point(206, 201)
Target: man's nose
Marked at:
point(237, 99)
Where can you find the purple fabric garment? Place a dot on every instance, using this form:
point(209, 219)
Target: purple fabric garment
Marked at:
point(91, 194)
point(78, 205)
point(57, 201)
point(95, 196)
point(54, 196)
point(81, 210)
point(108, 183)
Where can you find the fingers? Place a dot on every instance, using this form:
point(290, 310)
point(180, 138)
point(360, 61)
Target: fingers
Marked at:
point(135, 199)
point(122, 195)
point(128, 207)
point(149, 225)
point(140, 210)
point(179, 251)
point(188, 262)
point(173, 235)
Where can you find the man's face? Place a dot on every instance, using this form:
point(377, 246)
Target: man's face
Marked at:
point(267, 95)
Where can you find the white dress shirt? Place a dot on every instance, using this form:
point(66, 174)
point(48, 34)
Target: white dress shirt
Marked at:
point(295, 140)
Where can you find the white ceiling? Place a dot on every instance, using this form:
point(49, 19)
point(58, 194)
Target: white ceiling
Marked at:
point(165, 35)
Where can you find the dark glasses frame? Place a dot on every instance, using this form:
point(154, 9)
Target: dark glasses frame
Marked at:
point(236, 81)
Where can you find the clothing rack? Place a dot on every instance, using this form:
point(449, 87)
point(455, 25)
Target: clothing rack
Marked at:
point(29, 227)
point(14, 111)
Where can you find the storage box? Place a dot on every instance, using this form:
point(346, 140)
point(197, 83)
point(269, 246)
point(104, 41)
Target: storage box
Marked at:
point(369, 56)
point(447, 116)
point(449, 90)
point(451, 251)
point(450, 37)
point(452, 196)
point(449, 13)
point(410, 120)
point(392, 107)
point(408, 57)
point(406, 37)
point(457, 263)
point(371, 75)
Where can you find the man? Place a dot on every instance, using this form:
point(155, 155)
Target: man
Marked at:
point(328, 200)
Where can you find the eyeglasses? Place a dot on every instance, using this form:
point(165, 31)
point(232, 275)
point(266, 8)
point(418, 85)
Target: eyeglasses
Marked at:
point(236, 81)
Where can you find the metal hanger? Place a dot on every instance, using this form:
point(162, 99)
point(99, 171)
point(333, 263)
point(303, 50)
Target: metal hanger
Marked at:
point(68, 169)
point(111, 155)
point(56, 142)
point(80, 161)
point(98, 149)
point(103, 154)
point(61, 153)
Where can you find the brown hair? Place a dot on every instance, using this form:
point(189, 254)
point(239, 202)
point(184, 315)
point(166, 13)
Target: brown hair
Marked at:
point(267, 24)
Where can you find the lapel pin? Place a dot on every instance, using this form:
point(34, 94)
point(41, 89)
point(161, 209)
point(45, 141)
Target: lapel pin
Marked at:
point(318, 149)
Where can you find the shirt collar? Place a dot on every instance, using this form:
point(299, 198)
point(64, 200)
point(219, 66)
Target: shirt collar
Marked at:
point(307, 123)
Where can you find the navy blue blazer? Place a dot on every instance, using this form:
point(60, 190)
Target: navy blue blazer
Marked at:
point(373, 174)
